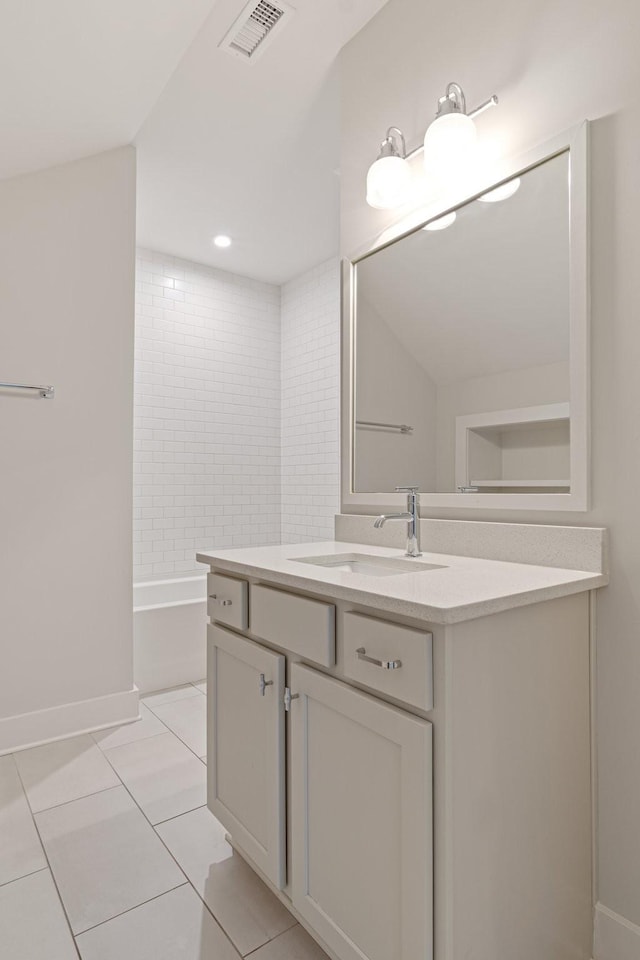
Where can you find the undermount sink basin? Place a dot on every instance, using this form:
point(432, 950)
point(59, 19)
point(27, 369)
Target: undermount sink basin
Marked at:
point(369, 565)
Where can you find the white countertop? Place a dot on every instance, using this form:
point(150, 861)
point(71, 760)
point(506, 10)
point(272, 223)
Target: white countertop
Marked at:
point(465, 587)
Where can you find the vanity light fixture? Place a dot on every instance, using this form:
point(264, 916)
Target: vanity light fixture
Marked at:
point(442, 222)
point(453, 133)
point(222, 241)
point(389, 177)
point(503, 192)
point(446, 146)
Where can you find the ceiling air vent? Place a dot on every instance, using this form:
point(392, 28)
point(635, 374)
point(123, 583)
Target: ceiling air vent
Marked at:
point(248, 36)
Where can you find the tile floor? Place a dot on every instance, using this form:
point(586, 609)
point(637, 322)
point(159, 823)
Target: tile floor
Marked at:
point(108, 852)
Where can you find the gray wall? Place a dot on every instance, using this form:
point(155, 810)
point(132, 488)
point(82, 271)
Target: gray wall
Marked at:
point(552, 65)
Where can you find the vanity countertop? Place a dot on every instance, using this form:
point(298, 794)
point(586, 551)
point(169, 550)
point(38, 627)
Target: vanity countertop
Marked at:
point(462, 589)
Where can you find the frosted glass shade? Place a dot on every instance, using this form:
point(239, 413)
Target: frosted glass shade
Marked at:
point(501, 193)
point(388, 183)
point(448, 142)
point(442, 222)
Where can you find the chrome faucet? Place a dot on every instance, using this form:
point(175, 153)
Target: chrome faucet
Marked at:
point(412, 516)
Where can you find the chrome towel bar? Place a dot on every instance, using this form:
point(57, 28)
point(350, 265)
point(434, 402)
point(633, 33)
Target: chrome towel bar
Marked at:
point(47, 393)
point(402, 427)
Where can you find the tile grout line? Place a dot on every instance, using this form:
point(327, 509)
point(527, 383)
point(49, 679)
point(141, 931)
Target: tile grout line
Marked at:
point(169, 729)
point(84, 796)
point(24, 876)
point(46, 856)
point(177, 816)
point(153, 827)
point(118, 746)
point(116, 787)
point(187, 881)
point(205, 905)
point(101, 923)
point(156, 834)
point(252, 953)
point(147, 818)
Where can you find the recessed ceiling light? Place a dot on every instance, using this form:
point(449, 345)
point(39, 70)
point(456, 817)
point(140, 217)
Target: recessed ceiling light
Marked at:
point(442, 222)
point(501, 193)
point(222, 241)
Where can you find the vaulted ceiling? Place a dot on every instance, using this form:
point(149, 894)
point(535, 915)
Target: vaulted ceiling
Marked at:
point(224, 146)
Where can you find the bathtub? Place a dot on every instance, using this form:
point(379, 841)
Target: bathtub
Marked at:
point(169, 632)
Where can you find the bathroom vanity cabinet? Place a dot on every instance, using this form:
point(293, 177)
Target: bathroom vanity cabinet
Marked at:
point(410, 789)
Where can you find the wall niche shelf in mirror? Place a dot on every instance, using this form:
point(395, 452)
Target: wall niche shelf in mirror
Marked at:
point(518, 450)
point(477, 335)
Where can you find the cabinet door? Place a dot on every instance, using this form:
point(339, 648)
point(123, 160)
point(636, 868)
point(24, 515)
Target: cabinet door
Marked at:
point(361, 821)
point(245, 747)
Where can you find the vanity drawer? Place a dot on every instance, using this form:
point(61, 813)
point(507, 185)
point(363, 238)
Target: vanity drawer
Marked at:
point(411, 680)
point(306, 627)
point(227, 600)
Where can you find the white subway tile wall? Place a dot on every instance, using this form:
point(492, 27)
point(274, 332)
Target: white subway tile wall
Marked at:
point(236, 411)
point(207, 413)
point(311, 404)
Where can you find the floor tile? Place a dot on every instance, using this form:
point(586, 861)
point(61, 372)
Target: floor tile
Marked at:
point(295, 944)
point(20, 849)
point(147, 726)
point(188, 720)
point(169, 695)
point(243, 906)
point(62, 771)
point(105, 857)
point(175, 926)
point(32, 922)
point(163, 775)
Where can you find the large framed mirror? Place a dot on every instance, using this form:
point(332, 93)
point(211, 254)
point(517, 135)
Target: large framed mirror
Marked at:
point(465, 346)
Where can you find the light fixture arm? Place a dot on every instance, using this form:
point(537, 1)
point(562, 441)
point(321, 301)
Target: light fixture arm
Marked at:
point(399, 132)
point(491, 102)
point(454, 100)
point(388, 147)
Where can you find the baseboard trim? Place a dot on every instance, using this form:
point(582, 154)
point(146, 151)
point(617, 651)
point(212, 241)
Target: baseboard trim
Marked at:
point(615, 938)
point(67, 720)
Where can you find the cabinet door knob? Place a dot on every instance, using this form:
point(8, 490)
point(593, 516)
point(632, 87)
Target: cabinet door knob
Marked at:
point(263, 684)
point(288, 697)
point(223, 603)
point(361, 654)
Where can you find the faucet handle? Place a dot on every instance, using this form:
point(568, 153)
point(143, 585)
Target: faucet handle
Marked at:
point(407, 489)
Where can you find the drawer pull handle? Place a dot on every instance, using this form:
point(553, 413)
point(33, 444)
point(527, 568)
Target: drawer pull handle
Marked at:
point(223, 603)
point(361, 654)
point(263, 684)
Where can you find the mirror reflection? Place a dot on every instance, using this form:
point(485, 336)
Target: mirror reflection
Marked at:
point(462, 347)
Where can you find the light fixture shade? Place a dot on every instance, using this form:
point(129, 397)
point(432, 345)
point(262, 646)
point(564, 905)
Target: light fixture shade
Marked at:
point(503, 192)
point(441, 223)
point(448, 143)
point(388, 183)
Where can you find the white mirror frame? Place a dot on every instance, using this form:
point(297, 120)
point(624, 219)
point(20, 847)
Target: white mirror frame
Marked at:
point(576, 142)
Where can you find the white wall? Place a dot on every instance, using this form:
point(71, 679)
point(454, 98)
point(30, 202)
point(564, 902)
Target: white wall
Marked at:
point(552, 65)
point(528, 387)
point(207, 413)
point(310, 404)
point(392, 387)
point(67, 281)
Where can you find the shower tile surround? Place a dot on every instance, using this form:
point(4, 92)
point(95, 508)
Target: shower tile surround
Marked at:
point(311, 404)
point(235, 411)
